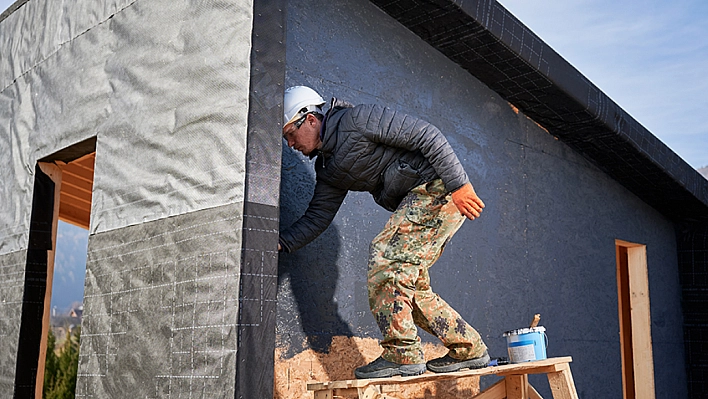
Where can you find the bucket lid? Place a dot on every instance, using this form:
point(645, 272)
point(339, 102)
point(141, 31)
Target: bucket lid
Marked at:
point(526, 330)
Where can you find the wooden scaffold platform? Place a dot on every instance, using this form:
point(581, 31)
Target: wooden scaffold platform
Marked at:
point(514, 385)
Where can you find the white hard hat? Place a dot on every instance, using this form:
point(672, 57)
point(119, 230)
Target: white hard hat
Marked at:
point(300, 100)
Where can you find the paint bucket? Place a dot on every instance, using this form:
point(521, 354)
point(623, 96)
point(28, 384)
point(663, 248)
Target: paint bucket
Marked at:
point(526, 344)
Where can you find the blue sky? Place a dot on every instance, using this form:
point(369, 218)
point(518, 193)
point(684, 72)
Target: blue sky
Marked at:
point(69, 266)
point(649, 56)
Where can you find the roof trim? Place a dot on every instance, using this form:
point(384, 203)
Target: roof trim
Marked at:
point(13, 7)
point(494, 46)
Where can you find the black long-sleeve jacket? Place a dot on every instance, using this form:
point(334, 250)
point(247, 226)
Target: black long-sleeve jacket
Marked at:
point(376, 149)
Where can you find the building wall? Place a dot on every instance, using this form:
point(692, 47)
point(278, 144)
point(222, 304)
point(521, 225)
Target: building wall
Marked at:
point(166, 88)
point(693, 262)
point(544, 244)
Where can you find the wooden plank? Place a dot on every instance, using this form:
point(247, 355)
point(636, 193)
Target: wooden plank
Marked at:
point(517, 386)
point(83, 203)
point(508, 369)
point(76, 191)
point(641, 322)
point(81, 186)
point(625, 326)
point(81, 168)
point(328, 394)
point(562, 384)
point(370, 392)
point(54, 172)
point(344, 393)
point(496, 391)
point(79, 173)
point(533, 393)
point(627, 244)
point(536, 370)
point(77, 194)
point(389, 388)
point(76, 216)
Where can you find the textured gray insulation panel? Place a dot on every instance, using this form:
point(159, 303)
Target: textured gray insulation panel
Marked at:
point(161, 308)
point(544, 244)
point(163, 85)
point(12, 275)
point(488, 41)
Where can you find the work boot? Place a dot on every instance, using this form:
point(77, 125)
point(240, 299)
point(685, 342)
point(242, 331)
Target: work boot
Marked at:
point(446, 364)
point(381, 368)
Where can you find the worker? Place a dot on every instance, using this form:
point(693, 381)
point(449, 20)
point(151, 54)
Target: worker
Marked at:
point(410, 169)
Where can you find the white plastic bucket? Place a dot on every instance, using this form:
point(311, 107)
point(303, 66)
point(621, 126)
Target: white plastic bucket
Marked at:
point(526, 344)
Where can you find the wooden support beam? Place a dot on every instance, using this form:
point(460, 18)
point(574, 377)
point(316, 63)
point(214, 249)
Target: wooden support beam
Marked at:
point(517, 386)
point(324, 394)
point(54, 173)
point(536, 370)
point(562, 384)
point(370, 392)
point(533, 394)
point(496, 391)
point(535, 367)
point(514, 385)
point(76, 191)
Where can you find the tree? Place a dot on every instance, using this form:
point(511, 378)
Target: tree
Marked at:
point(50, 364)
point(60, 371)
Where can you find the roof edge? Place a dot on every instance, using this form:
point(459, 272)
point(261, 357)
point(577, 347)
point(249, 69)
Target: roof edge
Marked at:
point(490, 43)
point(13, 7)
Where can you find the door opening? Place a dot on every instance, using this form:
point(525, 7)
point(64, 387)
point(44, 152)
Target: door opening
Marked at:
point(62, 191)
point(635, 320)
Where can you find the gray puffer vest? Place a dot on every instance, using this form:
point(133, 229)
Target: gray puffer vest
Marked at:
point(375, 149)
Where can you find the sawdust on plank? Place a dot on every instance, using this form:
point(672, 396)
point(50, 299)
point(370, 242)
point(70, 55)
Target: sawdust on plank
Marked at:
point(347, 353)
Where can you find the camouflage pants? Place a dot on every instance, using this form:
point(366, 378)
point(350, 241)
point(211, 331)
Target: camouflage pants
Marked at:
point(400, 296)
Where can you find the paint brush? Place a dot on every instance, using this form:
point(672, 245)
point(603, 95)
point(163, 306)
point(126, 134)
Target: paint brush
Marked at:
point(536, 319)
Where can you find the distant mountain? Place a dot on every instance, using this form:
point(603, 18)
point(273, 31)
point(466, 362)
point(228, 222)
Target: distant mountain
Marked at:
point(69, 267)
point(703, 171)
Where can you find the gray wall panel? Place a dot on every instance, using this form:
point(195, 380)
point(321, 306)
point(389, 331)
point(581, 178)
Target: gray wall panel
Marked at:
point(545, 243)
point(24, 45)
point(179, 79)
point(164, 85)
point(161, 308)
point(12, 275)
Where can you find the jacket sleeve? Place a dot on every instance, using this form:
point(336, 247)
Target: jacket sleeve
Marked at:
point(323, 206)
point(396, 129)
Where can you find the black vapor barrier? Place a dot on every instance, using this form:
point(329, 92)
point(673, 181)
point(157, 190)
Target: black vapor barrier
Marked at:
point(495, 47)
point(257, 311)
point(693, 263)
point(258, 288)
point(35, 285)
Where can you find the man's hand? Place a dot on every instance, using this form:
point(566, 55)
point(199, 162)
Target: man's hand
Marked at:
point(467, 201)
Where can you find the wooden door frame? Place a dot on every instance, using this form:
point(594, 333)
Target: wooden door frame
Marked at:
point(635, 320)
point(54, 173)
